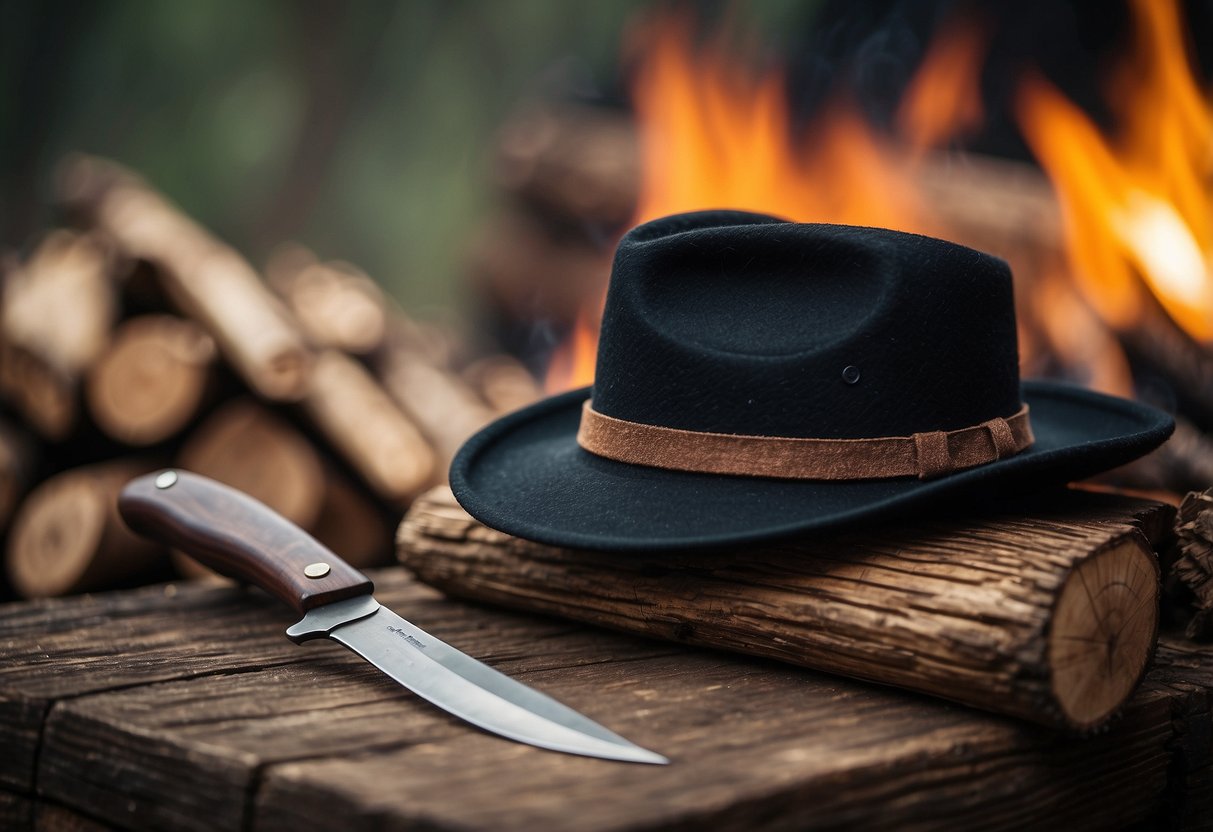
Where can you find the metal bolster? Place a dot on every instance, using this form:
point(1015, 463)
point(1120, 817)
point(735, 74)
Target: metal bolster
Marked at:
point(321, 621)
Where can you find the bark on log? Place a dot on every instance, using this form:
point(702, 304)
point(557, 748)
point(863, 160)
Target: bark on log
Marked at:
point(67, 536)
point(1050, 616)
point(359, 419)
point(206, 279)
point(1194, 566)
point(441, 403)
point(153, 379)
point(58, 310)
point(336, 305)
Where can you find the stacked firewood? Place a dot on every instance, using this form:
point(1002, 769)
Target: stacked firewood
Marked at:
point(137, 340)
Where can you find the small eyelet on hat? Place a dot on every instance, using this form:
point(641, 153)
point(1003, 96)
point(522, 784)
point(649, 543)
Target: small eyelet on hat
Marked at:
point(850, 374)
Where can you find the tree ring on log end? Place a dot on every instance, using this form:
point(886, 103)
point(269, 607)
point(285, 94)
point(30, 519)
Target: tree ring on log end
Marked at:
point(152, 380)
point(55, 535)
point(1105, 624)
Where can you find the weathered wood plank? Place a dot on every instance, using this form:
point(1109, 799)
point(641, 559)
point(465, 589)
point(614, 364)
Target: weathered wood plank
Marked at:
point(23, 812)
point(218, 732)
point(1047, 612)
point(1184, 671)
point(50, 817)
point(63, 648)
point(16, 811)
point(759, 751)
point(189, 710)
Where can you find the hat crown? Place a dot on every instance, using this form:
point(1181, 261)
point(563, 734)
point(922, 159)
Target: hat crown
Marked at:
point(732, 322)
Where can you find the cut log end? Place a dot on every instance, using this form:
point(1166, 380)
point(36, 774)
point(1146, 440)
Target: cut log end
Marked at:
point(1104, 627)
point(67, 536)
point(152, 380)
point(55, 535)
point(1048, 613)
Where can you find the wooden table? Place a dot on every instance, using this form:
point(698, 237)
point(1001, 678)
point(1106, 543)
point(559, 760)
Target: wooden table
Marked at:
point(185, 707)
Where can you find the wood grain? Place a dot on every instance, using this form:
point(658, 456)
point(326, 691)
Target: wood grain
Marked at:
point(239, 537)
point(248, 446)
point(55, 321)
point(207, 280)
point(67, 536)
point(1194, 564)
point(188, 685)
point(152, 380)
point(350, 409)
point(1049, 615)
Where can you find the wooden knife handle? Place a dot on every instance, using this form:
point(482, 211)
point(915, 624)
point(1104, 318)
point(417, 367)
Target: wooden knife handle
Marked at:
point(234, 534)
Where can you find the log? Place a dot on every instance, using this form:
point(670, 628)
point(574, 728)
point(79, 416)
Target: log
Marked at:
point(247, 446)
point(58, 310)
point(152, 380)
point(342, 309)
point(335, 304)
point(207, 280)
point(1194, 565)
point(441, 403)
point(353, 413)
point(503, 382)
point(67, 536)
point(1049, 615)
point(1002, 207)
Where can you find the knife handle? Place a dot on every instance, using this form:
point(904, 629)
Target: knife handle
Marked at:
point(240, 537)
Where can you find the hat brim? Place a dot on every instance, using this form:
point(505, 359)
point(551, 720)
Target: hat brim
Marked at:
point(526, 475)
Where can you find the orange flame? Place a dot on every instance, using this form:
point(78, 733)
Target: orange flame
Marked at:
point(711, 136)
point(944, 98)
point(1138, 211)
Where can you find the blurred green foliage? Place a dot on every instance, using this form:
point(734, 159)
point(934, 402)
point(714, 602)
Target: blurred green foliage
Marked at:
point(362, 129)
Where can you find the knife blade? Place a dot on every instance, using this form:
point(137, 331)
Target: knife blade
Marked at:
point(236, 535)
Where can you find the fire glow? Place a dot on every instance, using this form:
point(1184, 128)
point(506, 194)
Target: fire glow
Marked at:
point(1138, 211)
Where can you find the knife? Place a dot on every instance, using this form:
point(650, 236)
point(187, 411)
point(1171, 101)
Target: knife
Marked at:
point(234, 534)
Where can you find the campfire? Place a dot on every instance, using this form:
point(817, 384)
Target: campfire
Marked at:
point(1111, 247)
point(809, 476)
point(181, 353)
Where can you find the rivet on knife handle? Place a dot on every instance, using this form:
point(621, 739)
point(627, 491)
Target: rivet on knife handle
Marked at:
point(239, 537)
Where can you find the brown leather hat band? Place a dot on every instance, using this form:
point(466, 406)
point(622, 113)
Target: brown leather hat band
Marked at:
point(922, 455)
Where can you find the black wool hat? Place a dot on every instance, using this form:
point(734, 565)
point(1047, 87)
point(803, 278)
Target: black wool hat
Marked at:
point(759, 378)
